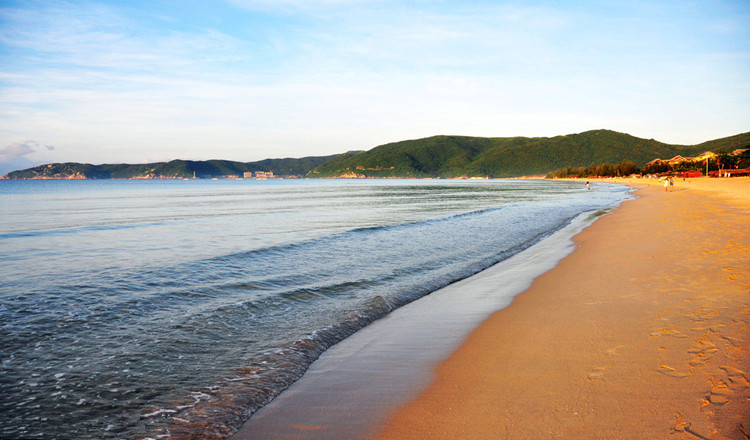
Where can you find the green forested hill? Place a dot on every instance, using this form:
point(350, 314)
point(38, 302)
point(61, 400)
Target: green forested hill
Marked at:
point(453, 156)
point(437, 156)
point(172, 169)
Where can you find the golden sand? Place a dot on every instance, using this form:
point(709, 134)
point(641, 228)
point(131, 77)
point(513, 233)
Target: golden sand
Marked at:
point(641, 333)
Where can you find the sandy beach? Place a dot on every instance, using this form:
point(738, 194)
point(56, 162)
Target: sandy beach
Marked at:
point(640, 333)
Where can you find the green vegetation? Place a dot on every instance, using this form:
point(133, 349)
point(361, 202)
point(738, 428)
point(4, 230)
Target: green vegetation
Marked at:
point(723, 160)
point(176, 169)
point(437, 156)
point(456, 156)
point(602, 170)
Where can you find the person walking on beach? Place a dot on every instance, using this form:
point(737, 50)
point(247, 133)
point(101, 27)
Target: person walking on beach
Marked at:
point(671, 184)
point(666, 184)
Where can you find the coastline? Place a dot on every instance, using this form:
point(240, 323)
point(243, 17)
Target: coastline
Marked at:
point(639, 333)
point(349, 392)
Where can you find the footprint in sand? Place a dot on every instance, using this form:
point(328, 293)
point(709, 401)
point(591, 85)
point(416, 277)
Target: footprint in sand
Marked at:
point(671, 372)
point(668, 332)
point(699, 361)
point(737, 378)
point(703, 346)
point(713, 328)
point(720, 394)
point(682, 425)
point(735, 342)
point(702, 350)
point(596, 373)
point(612, 351)
point(734, 274)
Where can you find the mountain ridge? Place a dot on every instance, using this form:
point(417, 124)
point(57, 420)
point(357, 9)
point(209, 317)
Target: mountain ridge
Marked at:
point(444, 156)
point(174, 169)
point(455, 156)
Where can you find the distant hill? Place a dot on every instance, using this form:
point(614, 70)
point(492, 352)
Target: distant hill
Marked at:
point(436, 156)
point(175, 169)
point(454, 156)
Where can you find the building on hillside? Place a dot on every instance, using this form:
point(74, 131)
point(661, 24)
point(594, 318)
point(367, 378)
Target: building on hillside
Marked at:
point(677, 160)
point(707, 155)
point(729, 173)
point(680, 159)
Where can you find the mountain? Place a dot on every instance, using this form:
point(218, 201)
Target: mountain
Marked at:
point(436, 156)
point(454, 156)
point(175, 169)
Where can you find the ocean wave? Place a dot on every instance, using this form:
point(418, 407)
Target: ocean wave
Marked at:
point(77, 230)
point(232, 329)
point(273, 371)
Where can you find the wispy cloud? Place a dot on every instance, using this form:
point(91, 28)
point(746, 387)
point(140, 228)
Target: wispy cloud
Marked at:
point(258, 78)
point(20, 149)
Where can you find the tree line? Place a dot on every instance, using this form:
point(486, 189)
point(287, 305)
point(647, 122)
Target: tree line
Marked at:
point(624, 168)
point(721, 161)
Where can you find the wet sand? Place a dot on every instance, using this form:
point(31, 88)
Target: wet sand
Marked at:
point(640, 333)
point(349, 392)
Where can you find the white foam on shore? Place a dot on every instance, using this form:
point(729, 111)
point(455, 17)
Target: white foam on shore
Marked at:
point(351, 389)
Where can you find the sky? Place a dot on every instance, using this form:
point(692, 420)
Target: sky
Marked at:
point(145, 81)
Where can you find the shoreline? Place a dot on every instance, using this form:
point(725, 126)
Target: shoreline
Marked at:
point(639, 333)
point(351, 389)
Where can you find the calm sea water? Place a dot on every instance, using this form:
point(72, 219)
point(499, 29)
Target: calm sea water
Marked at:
point(134, 309)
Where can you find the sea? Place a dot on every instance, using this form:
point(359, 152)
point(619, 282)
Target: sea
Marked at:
point(130, 307)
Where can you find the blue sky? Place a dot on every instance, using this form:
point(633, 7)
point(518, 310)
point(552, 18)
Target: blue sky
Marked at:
point(141, 81)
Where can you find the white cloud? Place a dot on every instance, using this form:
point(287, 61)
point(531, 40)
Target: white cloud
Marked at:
point(18, 150)
point(322, 76)
point(14, 151)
